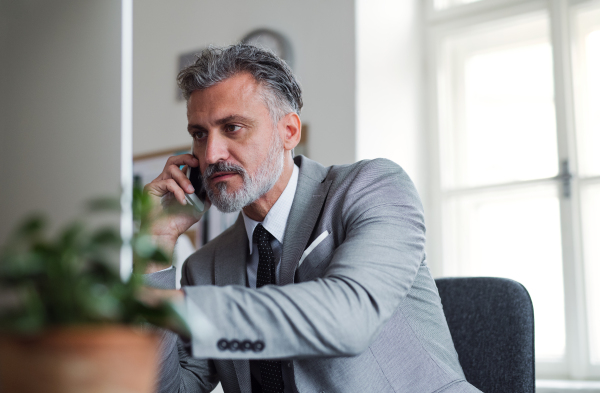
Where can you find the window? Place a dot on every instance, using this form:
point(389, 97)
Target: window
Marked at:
point(516, 97)
point(586, 56)
point(442, 4)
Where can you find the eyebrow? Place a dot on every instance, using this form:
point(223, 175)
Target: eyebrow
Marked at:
point(233, 118)
point(224, 120)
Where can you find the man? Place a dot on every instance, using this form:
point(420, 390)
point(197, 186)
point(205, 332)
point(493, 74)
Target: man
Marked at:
point(321, 285)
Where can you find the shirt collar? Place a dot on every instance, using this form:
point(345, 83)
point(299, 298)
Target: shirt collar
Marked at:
point(277, 217)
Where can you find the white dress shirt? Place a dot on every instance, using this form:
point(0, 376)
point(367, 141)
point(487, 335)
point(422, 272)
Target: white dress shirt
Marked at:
point(274, 222)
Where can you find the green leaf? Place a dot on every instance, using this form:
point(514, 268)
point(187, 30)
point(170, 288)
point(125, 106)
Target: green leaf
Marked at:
point(145, 248)
point(32, 226)
point(106, 237)
point(72, 235)
point(73, 277)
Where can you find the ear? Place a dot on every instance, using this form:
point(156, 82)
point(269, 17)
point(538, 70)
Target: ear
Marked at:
point(291, 128)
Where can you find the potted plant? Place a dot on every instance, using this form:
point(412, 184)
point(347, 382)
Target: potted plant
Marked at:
point(68, 323)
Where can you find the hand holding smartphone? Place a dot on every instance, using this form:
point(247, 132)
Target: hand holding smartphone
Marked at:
point(198, 198)
point(169, 194)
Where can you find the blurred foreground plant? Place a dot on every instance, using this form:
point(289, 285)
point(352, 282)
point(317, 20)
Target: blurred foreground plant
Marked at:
point(72, 278)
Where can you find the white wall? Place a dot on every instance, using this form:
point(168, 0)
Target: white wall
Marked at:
point(323, 38)
point(389, 88)
point(60, 100)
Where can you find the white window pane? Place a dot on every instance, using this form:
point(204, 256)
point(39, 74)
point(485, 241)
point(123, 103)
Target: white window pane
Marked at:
point(591, 253)
point(587, 87)
point(441, 4)
point(499, 122)
point(510, 122)
point(514, 235)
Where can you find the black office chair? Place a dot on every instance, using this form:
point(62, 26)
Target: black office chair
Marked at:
point(491, 322)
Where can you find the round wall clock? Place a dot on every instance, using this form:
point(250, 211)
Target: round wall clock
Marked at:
point(269, 39)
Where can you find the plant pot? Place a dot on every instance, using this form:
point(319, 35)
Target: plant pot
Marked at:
point(108, 359)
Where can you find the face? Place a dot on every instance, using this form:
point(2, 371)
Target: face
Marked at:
point(240, 151)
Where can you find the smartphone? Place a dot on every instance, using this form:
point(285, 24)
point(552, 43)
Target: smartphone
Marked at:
point(198, 198)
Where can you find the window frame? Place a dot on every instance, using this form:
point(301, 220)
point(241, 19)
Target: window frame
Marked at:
point(450, 21)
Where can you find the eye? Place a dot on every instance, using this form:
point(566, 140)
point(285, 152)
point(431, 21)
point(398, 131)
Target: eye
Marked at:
point(232, 128)
point(198, 135)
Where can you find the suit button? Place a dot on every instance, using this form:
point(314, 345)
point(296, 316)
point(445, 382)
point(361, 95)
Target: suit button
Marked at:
point(258, 346)
point(223, 344)
point(246, 345)
point(234, 345)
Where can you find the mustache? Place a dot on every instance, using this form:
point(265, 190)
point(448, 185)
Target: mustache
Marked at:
point(223, 166)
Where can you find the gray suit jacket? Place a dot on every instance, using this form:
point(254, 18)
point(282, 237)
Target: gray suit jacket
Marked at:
point(360, 314)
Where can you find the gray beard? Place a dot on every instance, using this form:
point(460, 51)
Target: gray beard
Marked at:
point(253, 187)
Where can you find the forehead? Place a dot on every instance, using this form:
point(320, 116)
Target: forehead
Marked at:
point(237, 95)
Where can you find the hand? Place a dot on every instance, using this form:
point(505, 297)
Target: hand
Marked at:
point(167, 192)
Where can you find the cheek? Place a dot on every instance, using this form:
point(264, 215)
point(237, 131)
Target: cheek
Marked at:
point(251, 152)
point(244, 156)
point(198, 152)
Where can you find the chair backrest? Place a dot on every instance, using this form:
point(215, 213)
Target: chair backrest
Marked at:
point(491, 323)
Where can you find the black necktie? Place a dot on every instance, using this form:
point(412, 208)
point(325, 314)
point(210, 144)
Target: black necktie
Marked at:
point(270, 370)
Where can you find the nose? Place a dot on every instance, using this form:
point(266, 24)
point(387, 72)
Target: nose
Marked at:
point(216, 148)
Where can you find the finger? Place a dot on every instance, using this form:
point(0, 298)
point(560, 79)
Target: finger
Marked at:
point(177, 161)
point(173, 187)
point(161, 187)
point(182, 159)
point(179, 175)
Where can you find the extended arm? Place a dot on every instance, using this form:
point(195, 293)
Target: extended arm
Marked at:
point(340, 314)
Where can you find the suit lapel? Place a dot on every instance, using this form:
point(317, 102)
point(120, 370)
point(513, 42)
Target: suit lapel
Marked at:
point(310, 195)
point(230, 256)
point(230, 269)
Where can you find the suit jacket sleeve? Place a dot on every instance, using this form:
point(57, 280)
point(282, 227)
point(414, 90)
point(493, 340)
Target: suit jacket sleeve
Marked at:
point(342, 311)
point(180, 372)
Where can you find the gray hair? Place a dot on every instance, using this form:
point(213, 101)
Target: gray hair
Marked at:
point(282, 93)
